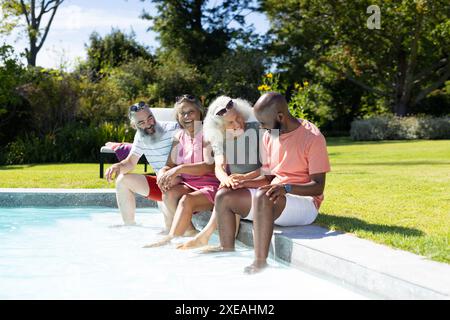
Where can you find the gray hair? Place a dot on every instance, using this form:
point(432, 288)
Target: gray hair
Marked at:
point(141, 106)
point(214, 126)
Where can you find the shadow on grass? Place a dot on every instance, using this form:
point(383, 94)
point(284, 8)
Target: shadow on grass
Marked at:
point(344, 141)
point(17, 167)
point(348, 224)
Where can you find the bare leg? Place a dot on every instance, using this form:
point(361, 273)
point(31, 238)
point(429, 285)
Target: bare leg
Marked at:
point(228, 203)
point(171, 199)
point(202, 238)
point(265, 213)
point(126, 186)
point(188, 204)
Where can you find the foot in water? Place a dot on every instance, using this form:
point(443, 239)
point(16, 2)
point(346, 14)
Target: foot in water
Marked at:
point(134, 224)
point(163, 232)
point(162, 242)
point(194, 243)
point(256, 266)
point(190, 233)
point(217, 248)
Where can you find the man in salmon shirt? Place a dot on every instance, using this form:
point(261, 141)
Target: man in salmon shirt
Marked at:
point(290, 189)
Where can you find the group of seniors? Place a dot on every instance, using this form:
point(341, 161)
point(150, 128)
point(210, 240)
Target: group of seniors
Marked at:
point(256, 163)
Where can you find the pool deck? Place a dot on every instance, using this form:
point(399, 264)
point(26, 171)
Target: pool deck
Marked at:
point(385, 272)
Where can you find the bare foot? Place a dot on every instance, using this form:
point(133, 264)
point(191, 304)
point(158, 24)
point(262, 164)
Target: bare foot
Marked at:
point(217, 248)
point(162, 242)
point(256, 266)
point(163, 232)
point(129, 224)
point(194, 243)
point(190, 233)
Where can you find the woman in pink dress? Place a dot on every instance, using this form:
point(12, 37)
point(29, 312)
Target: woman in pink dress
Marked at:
point(187, 181)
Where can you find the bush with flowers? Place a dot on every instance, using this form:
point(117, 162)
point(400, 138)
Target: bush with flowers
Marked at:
point(306, 101)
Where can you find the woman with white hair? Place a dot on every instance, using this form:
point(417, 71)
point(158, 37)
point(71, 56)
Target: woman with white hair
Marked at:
point(230, 128)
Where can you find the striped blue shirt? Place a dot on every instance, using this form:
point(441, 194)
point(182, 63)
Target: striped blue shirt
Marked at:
point(156, 152)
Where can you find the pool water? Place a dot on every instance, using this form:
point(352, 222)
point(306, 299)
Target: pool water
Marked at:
point(74, 253)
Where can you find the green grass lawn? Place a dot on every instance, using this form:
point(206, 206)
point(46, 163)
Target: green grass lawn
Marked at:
point(396, 193)
point(68, 175)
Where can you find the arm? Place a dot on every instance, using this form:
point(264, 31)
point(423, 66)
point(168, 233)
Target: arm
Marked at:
point(247, 176)
point(199, 168)
point(170, 163)
point(122, 167)
point(313, 188)
point(257, 182)
point(219, 170)
point(167, 173)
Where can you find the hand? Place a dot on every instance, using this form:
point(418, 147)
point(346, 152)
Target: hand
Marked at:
point(113, 172)
point(274, 191)
point(237, 176)
point(167, 179)
point(226, 182)
point(241, 184)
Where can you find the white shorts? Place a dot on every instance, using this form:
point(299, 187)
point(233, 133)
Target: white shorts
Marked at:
point(299, 210)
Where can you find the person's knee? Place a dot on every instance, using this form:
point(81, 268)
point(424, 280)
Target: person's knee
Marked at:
point(121, 181)
point(223, 197)
point(186, 201)
point(262, 200)
point(170, 195)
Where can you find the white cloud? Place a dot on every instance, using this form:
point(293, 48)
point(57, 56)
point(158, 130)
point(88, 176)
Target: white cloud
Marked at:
point(74, 17)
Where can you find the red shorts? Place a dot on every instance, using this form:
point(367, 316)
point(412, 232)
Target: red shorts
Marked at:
point(154, 193)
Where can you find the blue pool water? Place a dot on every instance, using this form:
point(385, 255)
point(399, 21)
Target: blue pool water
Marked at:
point(74, 253)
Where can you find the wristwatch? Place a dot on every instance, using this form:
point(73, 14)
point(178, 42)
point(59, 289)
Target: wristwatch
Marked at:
point(288, 188)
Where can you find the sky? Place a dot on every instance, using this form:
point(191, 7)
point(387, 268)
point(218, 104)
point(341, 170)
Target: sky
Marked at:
point(75, 20)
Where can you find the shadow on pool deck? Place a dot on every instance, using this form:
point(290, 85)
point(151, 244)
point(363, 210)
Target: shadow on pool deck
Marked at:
point(383, 271)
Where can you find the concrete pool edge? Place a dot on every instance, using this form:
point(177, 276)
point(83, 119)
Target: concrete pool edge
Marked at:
point(380, 270)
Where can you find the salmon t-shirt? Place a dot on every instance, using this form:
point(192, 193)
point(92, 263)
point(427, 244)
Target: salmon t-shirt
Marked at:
point(295, 155)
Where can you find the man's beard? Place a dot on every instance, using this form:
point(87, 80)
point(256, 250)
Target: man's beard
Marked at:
point(277, 125)
point(276, 129)
point(153, 137)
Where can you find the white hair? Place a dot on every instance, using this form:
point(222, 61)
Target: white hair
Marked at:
point(214, 126)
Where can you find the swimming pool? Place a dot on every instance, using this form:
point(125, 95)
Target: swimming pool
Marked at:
point(74, 253)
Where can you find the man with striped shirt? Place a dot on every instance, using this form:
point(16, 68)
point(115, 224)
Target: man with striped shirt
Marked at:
point(154, 140)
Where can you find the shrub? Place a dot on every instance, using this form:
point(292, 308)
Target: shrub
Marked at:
point(390, 127)
point(52, 96)
point(73, 143)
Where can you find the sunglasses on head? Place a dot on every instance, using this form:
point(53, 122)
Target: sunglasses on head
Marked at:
point(229, 106)
point(138, 106)
point(188, 97)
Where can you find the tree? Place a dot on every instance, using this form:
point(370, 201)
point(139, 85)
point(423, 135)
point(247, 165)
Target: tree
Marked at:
point(402, 63)
point(111, 51)
point(236, 74)
point(11, 105)
point(199, 32)
point(38, 17)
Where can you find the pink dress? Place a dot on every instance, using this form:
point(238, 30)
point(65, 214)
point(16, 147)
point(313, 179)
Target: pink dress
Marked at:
point(190, 150)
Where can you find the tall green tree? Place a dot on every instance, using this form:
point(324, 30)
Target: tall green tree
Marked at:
point(11, 76)
point(401, 63)
point(199, 30)
point(38, 16)
point(112, 50)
